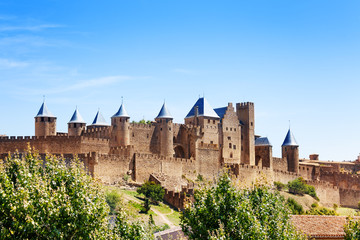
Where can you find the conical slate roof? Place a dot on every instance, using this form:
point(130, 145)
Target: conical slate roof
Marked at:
point(121, 112)
point(76, 117)
point(289, 140)
point(204, 109)
point(44, 112)
point(164, 112)
point(262, 141)
point(99, 120)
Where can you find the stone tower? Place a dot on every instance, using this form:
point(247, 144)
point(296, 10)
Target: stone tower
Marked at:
point(290, 151)
point(99, 121)
point(45, 122)
point(76, 125)
point(263, 152)
point(120, 134)
point(165, 127)
point(246, 116)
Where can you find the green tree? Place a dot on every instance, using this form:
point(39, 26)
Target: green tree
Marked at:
point(152, 191)
point(299, 186)
point(352, 229)
point(223, 212)
point(113, 199)
point(54, 200)
point(49, 200)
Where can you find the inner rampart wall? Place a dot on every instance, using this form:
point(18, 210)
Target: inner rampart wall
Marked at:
point(280, 164)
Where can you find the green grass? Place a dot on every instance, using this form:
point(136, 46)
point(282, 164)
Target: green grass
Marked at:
point(164, 209)
point(346, 211)
point(174, 218)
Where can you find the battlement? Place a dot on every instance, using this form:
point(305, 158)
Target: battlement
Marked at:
point(159, 157)
point(142, 125)
point(244, 104)
point(208, 146)
point(96, 129)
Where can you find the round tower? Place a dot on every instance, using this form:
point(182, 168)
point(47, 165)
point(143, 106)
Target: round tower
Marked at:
point(164, 122)
point(76, 125)
point(120, 122)
point(290, 151)
point(45, 122)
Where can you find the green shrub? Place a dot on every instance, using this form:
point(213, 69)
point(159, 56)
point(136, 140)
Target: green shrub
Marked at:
point(299, 186)
point(314, 205)
point(321, 211)
point(294, 206)
point(335, 206)
point(279, 186)
point(152, 191)
point(113, 199)
point(352, 229)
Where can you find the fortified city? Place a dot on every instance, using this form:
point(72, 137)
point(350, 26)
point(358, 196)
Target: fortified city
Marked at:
point(170, 153)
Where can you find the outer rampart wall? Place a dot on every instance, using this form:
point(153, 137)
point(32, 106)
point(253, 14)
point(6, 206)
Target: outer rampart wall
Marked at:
point(111, 169)
point(349, 198)
point(146, 164)
point(327, 193)
point(54, 144)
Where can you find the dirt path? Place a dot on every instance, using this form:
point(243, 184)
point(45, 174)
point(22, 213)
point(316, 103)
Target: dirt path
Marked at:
point(161, 215)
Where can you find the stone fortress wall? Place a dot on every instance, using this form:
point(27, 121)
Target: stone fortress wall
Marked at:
point(207, 143)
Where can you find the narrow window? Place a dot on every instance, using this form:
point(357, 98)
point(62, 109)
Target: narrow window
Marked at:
point(234, 129)
point(227, 128)
point(230, 129)
point(231, 155)
point(229, 138)
point(133, 135)
point(251, 123)
point(212, 142)
point(242, 137)
point(229, 145)
point(234, 146)
point(213, 121)
point(208, 120)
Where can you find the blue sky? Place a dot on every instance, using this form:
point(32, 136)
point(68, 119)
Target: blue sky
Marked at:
point(296, 60)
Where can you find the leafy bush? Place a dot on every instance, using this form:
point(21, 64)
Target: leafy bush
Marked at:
point(113, 199)
point(314, 205)
point(222, 212)
point(321, 211)
point(294, 207)
point(299, 186)
point(152, 191)
point(335, 206)
point(352, 229)
point(279, 186)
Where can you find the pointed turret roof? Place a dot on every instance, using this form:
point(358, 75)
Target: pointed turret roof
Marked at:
point(164, 113)
point(121, 112)
point(289, 139)
point(204, 109)
point(44, 112)
point(99, 120)
point(262, 141)
point(76, 117)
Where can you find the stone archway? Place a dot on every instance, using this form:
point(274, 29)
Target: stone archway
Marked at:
point(179, 152)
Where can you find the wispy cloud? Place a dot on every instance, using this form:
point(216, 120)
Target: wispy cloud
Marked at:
point(28, 28)
point(82, 85)
point(7, 63)
point(183, 70)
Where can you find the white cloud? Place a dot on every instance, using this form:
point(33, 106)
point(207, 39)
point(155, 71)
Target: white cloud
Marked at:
point(7, 63)
point(28, 28)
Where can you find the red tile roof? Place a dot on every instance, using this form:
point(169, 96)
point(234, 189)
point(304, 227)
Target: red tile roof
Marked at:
point(321, 226)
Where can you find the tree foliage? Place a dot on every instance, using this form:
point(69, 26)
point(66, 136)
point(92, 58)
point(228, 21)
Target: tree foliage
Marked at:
point(352, 229)
point(54, 200)
point(222, 212)
point(299, 186)
point(152, 191)
point(49, 200)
